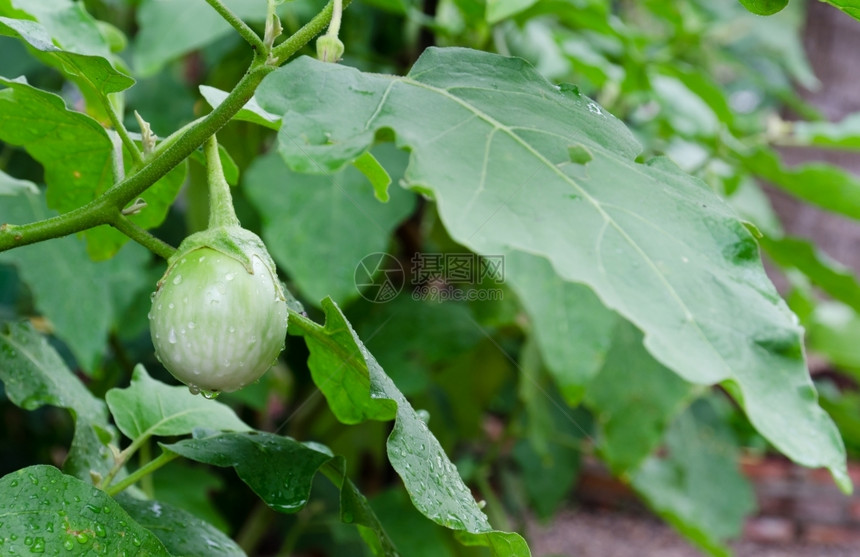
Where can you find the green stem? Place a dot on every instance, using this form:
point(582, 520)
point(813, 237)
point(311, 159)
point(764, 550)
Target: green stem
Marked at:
point(142, 237)
point(336, 16)
point(221, 212)
point(145, 457)
point(103, 209)
point(141, 472)
point(246, 32)
point(119, 127)
point(303, 36)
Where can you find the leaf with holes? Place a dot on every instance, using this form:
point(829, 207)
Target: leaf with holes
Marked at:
point(490, 141)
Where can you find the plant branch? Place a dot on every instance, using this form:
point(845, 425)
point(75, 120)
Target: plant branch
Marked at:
point(103, 209)
point(246, 32)
point(141, 472)
point(303, 36)
point(142, 237)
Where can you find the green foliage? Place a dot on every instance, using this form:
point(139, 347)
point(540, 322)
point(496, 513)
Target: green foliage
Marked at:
point(46, 511)
point(610, 232)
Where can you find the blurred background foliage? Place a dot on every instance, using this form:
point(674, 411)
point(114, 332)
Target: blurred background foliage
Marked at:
point(706, 83)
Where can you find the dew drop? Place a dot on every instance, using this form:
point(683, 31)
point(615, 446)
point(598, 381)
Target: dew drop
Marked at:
point(230, 276)
point(194, 389)
point(82, 538)
point(232, 329)
point(69, 545)
point(171, 337)
point(170, 305)
point(191, 324)
point(210, 394)
point(177, 279)
point(100, 530)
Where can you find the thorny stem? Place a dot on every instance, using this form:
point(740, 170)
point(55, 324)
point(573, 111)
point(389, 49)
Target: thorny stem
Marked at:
point(142, 237)
point(336, 16)
point(240, 26)
point(104, 209)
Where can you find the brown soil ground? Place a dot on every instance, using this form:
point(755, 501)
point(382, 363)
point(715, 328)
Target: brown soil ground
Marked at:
point(613, 534)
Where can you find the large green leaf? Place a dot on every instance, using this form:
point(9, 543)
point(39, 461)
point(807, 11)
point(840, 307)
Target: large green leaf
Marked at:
point(634, 399)
point(44, 511)
point(68, 288)
point(696, 486)
point(34, 375)
point(74, 149)
point(491, 141)
point(94, 74)
point(281, 470)
point(181, 532)
point(339, 358)
point(67, 22)
point(318, 228)
point(148, 407)
point(78, 156)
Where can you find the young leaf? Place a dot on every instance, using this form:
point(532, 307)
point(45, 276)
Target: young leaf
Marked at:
point(96, 76)
point(697, 487)
point(263, 460)
point(656, 245)
point(339, 358)
point(148, 407)
point(46, 511)
point(181, 532)
point(33, 375)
